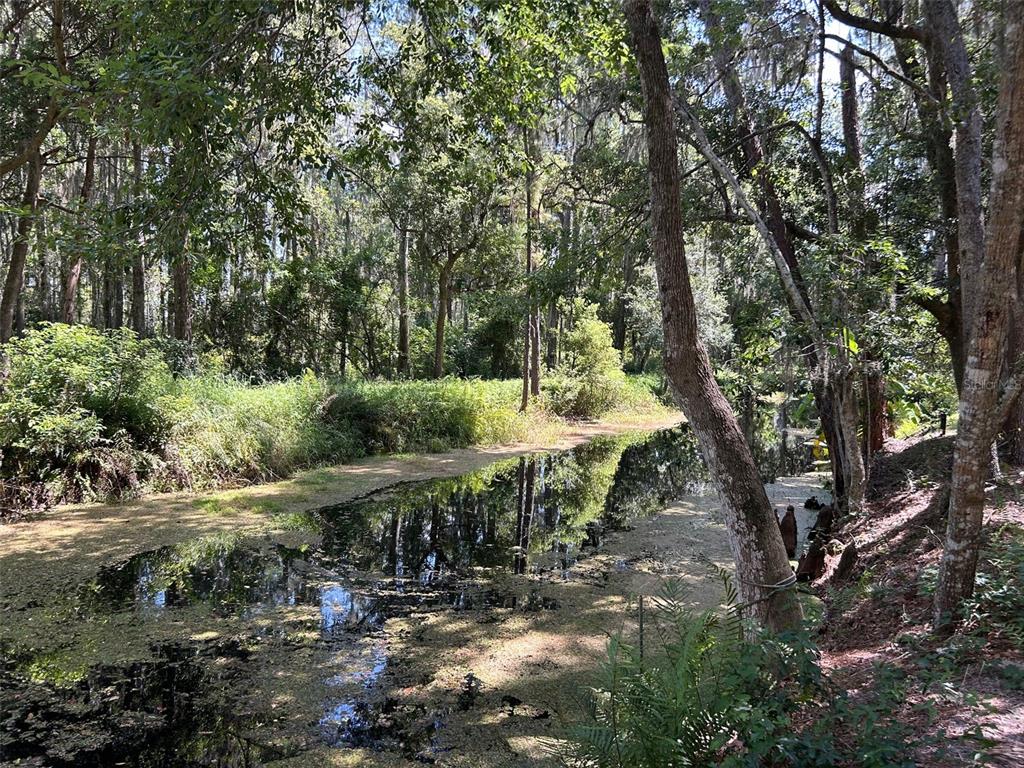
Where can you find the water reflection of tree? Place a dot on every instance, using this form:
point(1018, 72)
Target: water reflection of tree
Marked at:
point(648, 476)
point(508, 514)
point(228, 571)
point(524, 514)
point(504, 516)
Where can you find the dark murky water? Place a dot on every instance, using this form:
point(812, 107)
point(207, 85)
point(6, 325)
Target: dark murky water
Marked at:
point(225, 610)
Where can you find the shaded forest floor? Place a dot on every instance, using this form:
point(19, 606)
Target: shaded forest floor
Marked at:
point(961, 699)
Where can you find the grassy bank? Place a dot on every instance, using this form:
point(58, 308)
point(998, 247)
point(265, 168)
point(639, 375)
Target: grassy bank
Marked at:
point(85, 415)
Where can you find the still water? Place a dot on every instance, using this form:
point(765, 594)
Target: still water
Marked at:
point(244, 649)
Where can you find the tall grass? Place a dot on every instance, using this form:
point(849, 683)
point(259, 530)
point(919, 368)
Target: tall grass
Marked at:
point(224, 429)
point(88, 415)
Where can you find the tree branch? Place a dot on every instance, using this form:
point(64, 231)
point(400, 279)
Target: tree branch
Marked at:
point(883, 66)
point(871, 25)
point(34, 142)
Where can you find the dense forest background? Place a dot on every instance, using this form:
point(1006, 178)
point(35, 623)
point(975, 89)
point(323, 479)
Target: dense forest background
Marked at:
point(303, 187)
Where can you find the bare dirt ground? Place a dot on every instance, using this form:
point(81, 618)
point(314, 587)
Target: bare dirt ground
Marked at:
point(40, 554)
point(965, 692)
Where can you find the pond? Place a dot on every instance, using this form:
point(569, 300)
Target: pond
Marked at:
point(248, 648)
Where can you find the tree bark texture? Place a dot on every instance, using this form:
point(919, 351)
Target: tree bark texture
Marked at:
point(757, 545)
point(69, 307)
point(987, 295)
point(19, 249)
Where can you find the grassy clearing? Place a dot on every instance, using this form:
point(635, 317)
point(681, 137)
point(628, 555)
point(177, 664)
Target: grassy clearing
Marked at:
point(86, 415)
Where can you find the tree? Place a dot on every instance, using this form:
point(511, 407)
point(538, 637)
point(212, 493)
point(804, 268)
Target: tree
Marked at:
point(69, 303)
point(763, 570)
point(19, 250)
point(832, 372)
point(988, 282)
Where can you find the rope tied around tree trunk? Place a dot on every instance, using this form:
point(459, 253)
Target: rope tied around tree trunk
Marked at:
point(773, 589)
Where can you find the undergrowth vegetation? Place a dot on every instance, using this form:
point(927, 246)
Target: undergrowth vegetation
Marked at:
point(590, 382)
point(995, 610)
point(713, 690)
point(87, 414)
point(997, 605)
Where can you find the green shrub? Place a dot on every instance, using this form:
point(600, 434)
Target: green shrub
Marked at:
point(997, 605)
point(86, 414)
point(711, 690)
point(78, 411)
point(590, 382)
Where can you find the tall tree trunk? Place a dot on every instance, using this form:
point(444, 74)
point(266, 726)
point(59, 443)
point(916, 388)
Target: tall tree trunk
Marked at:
point(531, 334)
point(848, 418)
point(403, 302)
point(443, 292)
point(941, 16)
point(874, 383)
point(754, 536)
point(938, 140)
point(876, 420)
point(19, 249)
point(69, 308)
point(181, 291)
point(524, 401)
point(551, 354)
point(138, 295)
point(564, 247)
point(113, 271)
point(987, 292)
point(346, 327)
point(113, 295)
point(45, 278)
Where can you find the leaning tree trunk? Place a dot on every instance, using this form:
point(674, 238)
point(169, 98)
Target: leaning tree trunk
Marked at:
point(19, 250)
point(70, 304)
point(992, 281)
point(763, 570)
point(776, 234)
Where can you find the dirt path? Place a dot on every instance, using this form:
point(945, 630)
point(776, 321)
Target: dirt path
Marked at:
point(67, 545)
